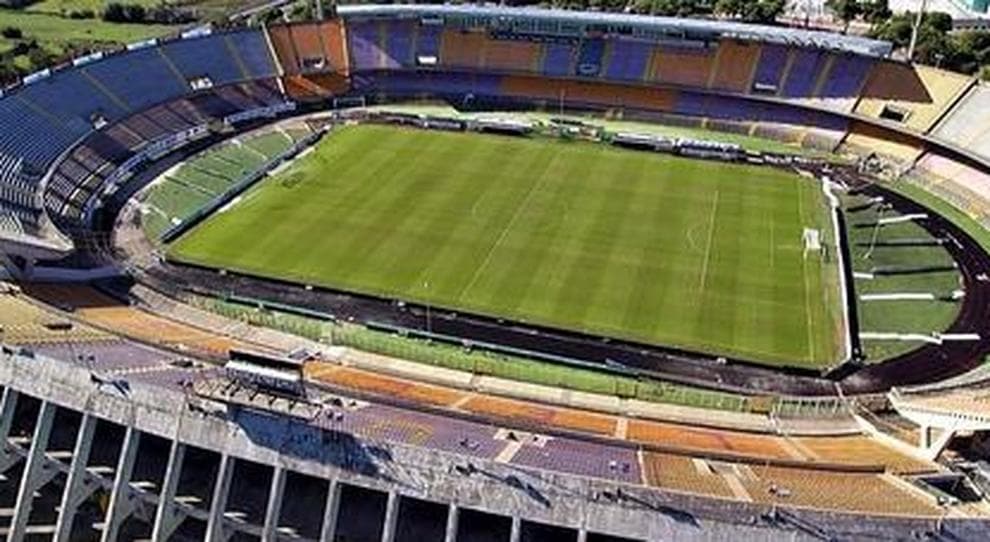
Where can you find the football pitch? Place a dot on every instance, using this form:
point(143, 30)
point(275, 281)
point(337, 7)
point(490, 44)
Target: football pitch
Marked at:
point(694, 254)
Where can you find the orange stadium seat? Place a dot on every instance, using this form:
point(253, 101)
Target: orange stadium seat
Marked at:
point(863, 492)
point(463, 49)
point(686, 67)
point(308, 47)
point(314, 87)
point(103, 311)
point(505, 55)
point(708, 440)
point(683, 473)
point(334, 46)
point(859, 450)
point(372, 382)
point(285, 48)
point(735, 64)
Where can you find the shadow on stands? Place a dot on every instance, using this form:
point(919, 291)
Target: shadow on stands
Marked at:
point(299, 440)
point(896, 81)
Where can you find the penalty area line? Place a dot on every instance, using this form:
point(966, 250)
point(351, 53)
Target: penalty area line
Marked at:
point(708, 245)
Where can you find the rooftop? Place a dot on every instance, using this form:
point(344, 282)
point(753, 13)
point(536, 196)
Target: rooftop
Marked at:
point(670, 25)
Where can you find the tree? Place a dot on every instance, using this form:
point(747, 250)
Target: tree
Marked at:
point(116, 12)
point(751, 11)
point(678, 8)
point(845, 10)
point(12, 33)
point(876, 12)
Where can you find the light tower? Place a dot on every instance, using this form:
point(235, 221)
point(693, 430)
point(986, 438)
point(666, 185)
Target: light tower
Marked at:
point(914, 31)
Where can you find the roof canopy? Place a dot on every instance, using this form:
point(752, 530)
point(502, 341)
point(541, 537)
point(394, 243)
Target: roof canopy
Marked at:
point(581, 22)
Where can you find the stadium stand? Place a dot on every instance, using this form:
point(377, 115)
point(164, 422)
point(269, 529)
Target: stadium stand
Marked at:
point(400, 44)
point(866, 139)
point(559, 59)
point(684, 473)
point(428, 40)
point(364, 40)
point(71, 97)
point(867, 492)
point(102, 311)
point(207, 56)
point(53, 111)
point(846, 77)
point(24, 323)
point(32, 134)
point(306, 48)
point(160, 81)
point(913, 96)
point(285, 48)
point(683, 65)
point(455, 85)
point(770, 69)
point(806, 68)
point(735, 65)
point(966, 187)
point(463, 49)
point(862, 450)
point(590, 56)
point(628, 59)
point(78, 178)
point(967, 125)
point(511, 55)
point(252, 55)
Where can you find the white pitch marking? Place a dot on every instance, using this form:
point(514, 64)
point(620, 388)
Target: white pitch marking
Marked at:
point(501, 237)
point(708, 245)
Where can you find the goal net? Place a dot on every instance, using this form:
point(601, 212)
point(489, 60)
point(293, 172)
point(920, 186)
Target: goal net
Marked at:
point(812, 241)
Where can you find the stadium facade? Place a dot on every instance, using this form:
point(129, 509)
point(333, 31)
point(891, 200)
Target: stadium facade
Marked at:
point(125, 452)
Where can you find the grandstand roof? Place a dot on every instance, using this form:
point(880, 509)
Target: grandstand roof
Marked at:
point(661, 26)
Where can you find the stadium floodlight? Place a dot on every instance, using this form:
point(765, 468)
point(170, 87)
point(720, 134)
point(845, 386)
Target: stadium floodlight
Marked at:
point(914, 30)
point(876, 231)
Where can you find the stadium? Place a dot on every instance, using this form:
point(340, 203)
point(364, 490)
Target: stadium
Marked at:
point(471, 273)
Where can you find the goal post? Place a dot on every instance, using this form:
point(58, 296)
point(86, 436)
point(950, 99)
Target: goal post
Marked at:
point(812, 241)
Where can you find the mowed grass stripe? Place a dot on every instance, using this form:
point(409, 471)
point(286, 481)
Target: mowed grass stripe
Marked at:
point(567, 234)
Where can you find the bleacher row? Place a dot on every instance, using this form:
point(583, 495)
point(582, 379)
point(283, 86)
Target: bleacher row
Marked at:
point(728, 65)
point(80, 174)
point(53, 110)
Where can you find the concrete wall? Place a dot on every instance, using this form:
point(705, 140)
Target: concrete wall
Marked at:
point(90, 460)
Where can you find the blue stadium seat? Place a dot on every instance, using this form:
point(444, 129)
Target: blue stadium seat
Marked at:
point(157, 81)
point(558, 60)
point(628, 60)
point(805, 68)
point(590, 58)
point(251, 47)
point(205, 56)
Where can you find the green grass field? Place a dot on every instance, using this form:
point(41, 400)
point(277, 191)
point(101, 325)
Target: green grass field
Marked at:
point(701, 255)
point(908, 316)
point(185, 190)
